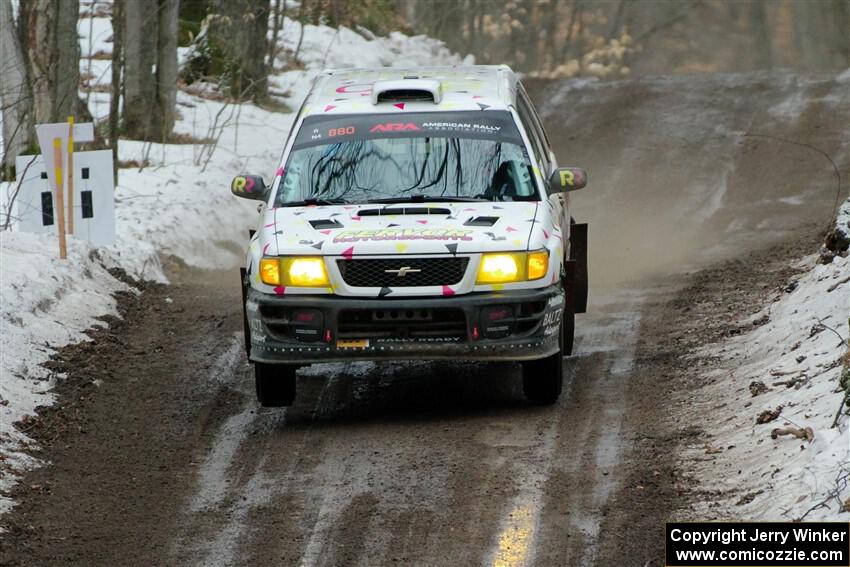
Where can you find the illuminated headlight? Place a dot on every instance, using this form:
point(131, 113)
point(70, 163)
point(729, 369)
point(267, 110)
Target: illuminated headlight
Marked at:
point(537, 264)
point(507, 267)
point(270, 271)
point(304, 271)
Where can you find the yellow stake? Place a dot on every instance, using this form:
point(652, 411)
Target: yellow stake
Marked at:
point(60, 199)
point(70, 175)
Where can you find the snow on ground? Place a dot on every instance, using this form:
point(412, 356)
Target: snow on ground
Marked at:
point(46, 304)
point(178, 204)
point(759, 477)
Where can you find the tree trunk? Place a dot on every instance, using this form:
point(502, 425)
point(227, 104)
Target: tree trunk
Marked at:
point(166, 70)
point(139, 56)
point(15, 94)
point(67, 70)
point(150, 68)
point(118, 7)
point(277, 19)
point(241, 32)
point(52, 53)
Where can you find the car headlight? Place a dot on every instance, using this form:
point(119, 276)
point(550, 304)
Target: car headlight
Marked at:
point(537, 264)
point(297, 271)
point(270, 271)
point(506, 267)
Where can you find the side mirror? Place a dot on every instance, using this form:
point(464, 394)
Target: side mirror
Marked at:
point(249, 187)
point(567, 179)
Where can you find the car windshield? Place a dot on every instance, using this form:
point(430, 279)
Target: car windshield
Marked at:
point(417, 156)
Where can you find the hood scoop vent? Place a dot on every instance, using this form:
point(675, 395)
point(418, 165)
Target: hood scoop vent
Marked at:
point(386, 211)
point(325, 223)
point(481, 221)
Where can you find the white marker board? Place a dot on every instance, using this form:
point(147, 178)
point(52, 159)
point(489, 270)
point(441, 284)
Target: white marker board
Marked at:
point(94, 201)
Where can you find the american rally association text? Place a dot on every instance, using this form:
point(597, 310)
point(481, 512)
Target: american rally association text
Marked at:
point(726, 536)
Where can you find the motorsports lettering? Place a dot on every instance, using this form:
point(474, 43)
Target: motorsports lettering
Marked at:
point(485, 124)
point(404, 234)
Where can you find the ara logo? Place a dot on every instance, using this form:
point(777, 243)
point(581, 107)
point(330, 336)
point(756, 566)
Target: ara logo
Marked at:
point(395, 127)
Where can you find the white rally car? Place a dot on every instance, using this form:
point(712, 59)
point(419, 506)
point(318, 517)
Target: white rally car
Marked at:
point(416, 214)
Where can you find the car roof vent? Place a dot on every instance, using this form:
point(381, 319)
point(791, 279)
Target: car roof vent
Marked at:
point(407, 90)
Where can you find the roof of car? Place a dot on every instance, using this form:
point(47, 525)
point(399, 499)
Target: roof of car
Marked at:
point(461, 87)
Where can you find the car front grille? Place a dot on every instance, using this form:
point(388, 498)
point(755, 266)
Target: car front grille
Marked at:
point(402, 272)
point(432, 324)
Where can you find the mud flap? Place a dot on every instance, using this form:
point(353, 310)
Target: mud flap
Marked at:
point(570, 285)
point(245, 329)
point(578, 257)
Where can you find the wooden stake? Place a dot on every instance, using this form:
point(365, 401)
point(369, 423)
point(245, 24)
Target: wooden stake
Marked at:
point(70, 175)
point(60, 198)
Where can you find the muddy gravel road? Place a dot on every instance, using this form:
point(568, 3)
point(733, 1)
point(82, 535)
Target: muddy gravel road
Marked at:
point(159, 455)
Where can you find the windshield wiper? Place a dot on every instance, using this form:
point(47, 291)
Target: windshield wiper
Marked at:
point(426, 199)
point(311, 201)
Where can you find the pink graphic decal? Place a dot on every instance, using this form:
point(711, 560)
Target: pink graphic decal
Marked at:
point(279, 290)
point(399, 105)
point(477, 96)
point(279, 172)
point(447, 290)
point(325, 232)
point(510, 229)
point(545, 234)
point(356, 88)
point(355, 217)
point(269, 225)
point(348, 253)
point(422, 222)
point(329, 107)
point(265, 248)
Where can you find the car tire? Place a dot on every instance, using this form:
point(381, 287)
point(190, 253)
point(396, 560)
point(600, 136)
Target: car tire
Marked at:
point(542, 380)
point(275, 384)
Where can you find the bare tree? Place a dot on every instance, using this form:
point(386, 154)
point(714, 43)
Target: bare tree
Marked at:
point(240, 30)
point(51, 51)
point(117, 73)
point(277, 24)
point(150, 68)
point(15, 94)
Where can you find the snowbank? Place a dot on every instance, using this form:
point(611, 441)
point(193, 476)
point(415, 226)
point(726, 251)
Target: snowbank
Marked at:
point(175, 201)
point(797, 356)
point(45, 304)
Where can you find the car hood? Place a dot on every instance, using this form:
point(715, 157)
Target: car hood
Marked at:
point(409, 228)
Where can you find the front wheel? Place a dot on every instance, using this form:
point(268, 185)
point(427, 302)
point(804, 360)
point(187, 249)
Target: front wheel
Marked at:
point(275, 384)
point(542, 380)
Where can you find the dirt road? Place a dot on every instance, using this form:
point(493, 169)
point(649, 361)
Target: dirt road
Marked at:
point(159, 454)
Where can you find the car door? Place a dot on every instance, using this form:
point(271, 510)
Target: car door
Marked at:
point(545, 157)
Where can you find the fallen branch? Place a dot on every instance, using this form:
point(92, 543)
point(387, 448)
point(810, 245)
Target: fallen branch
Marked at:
point(806, 433)
point(840, 407)
point(841, 483)
point(825, 326)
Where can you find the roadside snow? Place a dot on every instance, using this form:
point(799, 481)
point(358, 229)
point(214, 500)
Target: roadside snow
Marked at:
point(758, 477)
point(46, 304)
point(174, 201)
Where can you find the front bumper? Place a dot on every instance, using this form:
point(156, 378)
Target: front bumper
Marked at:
point(302, 329)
